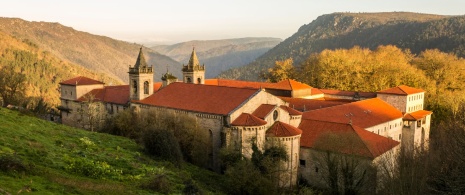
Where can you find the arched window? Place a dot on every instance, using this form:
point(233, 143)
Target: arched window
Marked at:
point(134, 86)
point(199, 80)
point(188, 79)
point(146, 87)
point(275, 115)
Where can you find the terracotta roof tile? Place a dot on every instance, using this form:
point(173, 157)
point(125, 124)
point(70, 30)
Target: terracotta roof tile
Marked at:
point(283, 85)
point(305, 105)
point(316, 91)
point(416, 115)
point(343, 138)
point(200, 98)
point(263, 110)
point(81, 81)
point(280, 129)
point(348, 93)
point(157, 86)
point(291, 111)
point(365, 113)
point(111, 94)
point(246, 119)
point(401, 90)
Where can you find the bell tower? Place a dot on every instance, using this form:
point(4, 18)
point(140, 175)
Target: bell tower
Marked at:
point(193, 72)
point(140, 79)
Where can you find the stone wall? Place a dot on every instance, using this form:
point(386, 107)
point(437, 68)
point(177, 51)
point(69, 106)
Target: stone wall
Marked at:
point(398, 101)
point(292, 147)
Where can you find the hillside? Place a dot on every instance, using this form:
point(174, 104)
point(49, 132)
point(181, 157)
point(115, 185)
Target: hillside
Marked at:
point(43, 69)
point(220, 55)
point(413, 31)
point(47, 158)
point(98, 53)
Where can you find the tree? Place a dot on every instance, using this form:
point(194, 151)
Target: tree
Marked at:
point(282, 70)
point(92, 113)
point(12, 86)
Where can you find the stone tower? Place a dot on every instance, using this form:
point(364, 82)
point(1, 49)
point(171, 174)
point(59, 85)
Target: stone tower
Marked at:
point(140, 79)
point(193, 72)
point(168, 78)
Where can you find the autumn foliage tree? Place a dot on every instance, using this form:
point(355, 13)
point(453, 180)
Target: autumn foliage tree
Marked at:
point(12, 86)
point(283, 69)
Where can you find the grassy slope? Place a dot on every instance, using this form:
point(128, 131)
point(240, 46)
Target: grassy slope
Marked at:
point(49, 148)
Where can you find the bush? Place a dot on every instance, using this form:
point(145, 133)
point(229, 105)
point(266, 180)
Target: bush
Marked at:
point(11, 163)
point(92, 169)
point(159, 183)
point(163, 144)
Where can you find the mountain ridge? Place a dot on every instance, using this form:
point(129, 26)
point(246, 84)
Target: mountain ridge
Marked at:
point(345, 30)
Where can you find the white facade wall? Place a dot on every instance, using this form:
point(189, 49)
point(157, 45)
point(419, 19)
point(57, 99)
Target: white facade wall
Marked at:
point(415, 102)
point(391, 129)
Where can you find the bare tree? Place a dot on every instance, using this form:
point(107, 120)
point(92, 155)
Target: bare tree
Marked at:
point(92, 113)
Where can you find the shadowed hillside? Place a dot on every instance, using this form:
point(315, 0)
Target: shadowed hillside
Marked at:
point(98, 53)
point(413, 31)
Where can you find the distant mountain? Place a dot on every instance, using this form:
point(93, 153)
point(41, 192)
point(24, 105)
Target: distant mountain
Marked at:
point(98, 53)
point(413, 31)
point(219, 55)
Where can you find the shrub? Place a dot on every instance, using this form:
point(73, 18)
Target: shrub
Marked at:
point(11, 163)
point(92, 169)
point(159, 183)
point(163, 144)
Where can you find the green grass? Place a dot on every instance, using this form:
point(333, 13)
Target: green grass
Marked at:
point(63, 160)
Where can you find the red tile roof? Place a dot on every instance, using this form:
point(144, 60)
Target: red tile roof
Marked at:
point(81, 81)
point(365, 113)
point(263, 110)
point(348, 93)
point(401, 90)
point(246, 119)
point(283, 85)
point(305, 105)
point(416, 115)
point(200, 98)
point(157, 86)
point(316, 91)
point(291, 111)
point(111, 94)
point(343, 138)
point(280, 129)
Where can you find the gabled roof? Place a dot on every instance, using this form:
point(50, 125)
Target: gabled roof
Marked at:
point(348, 93)
point(200, 98)
point(280, 129)
point(81, 81)
point(246, 119)
point(343, 138)
point(263, 110)
point(110, 94)
point(141, 62)
point(288, 84)
point(311, 104)
point(291, 111)
point(365, 113)
point(401, 90)
point(416, 115)
point(293, 85)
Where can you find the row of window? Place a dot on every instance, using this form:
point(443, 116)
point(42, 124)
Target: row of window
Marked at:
point(415, 97)
point(415, 108)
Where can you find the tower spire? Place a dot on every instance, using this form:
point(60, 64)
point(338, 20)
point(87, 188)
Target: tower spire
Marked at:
point(140, 62)
point(193, 61)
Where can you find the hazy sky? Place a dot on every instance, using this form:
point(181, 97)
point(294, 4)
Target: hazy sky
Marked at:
point(175, 21)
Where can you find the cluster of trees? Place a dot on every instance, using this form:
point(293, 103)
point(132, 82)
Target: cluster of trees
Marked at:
point(173, 137)
point(360, 69)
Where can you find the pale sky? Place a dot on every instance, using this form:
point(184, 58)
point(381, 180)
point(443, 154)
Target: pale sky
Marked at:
point(176, 21)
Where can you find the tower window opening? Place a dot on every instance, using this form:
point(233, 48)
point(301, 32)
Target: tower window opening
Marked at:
point(146, 87)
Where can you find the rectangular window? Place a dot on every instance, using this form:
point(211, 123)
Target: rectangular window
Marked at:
point(419, 123)
point(302, 162)
point(400, 136)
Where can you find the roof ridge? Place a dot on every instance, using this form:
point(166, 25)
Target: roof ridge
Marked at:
point(363, 141)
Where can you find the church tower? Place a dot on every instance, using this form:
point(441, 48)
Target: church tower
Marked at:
point(140, 79)
point(193, 72)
